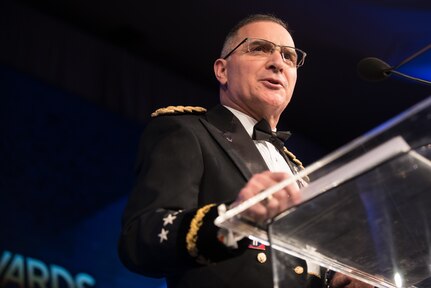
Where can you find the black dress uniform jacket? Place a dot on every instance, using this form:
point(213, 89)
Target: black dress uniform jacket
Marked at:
point(186, 162)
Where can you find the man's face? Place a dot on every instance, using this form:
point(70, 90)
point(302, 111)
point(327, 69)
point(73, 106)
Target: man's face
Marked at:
point(259, 85)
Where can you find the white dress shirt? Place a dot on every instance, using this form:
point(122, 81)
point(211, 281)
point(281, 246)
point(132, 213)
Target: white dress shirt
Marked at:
point(270, 154)
point(273, 160)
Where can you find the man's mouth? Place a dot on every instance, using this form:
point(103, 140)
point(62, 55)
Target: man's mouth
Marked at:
point(273, 82)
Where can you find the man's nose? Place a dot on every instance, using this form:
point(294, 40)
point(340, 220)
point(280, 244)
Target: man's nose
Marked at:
point(276, 60)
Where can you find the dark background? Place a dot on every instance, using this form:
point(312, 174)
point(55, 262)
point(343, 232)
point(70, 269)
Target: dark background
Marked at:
point(79, 79)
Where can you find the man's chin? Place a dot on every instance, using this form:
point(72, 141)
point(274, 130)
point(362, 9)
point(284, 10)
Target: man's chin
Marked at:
point(277, 102)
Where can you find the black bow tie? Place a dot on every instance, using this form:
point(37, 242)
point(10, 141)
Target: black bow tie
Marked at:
point(262, 131)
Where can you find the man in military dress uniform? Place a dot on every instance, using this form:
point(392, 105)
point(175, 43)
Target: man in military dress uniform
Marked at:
point(193, 161)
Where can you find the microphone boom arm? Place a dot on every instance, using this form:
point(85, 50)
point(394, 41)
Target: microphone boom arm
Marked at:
point(423, 81)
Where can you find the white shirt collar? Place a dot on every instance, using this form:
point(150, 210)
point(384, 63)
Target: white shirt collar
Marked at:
point(246, 121)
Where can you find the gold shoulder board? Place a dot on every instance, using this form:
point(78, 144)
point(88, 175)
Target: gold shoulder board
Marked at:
point(173, 110)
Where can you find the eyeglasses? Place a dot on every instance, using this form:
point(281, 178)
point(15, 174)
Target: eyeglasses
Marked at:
point(292, 56)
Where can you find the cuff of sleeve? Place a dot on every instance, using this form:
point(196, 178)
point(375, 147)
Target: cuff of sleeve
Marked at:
point(202, 237)
point(314, 281)
point(328, 278)
point(227, 237)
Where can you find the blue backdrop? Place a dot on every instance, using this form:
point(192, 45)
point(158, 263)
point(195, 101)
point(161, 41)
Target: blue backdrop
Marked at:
point(66, 169)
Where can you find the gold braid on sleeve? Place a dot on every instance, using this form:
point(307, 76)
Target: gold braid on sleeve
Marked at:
point(195, 225)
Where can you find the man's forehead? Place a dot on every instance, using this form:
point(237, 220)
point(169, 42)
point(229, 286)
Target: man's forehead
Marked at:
point(267, 30)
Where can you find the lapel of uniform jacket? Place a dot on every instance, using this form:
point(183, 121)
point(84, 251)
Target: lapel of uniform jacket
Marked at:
point(228, 131)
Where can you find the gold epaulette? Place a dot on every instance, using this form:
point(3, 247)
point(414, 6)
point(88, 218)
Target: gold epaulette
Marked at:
point(172, 110)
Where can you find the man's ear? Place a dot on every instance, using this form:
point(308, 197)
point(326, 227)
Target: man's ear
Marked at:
point(220, 71)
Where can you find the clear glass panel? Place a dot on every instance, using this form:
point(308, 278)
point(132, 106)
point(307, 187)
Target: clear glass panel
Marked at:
point(366, 209)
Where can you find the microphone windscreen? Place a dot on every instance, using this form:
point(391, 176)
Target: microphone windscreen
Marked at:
point(373, 69)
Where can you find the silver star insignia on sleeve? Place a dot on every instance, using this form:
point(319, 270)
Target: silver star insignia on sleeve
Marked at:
point(163, 235)
point(169, 219)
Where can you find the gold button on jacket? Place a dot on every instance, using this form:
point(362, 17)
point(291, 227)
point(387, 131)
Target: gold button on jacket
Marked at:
point(299, 270)
point(261, 257)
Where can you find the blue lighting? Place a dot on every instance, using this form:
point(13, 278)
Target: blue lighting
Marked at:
point(419, 67)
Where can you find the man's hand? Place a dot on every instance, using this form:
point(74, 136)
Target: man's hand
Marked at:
point(342, 281)
point(272, 206)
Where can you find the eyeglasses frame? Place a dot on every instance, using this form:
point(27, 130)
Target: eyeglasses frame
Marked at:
point(299, 64)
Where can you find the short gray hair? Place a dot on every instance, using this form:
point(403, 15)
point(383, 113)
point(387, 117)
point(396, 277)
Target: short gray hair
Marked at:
point(249, 19)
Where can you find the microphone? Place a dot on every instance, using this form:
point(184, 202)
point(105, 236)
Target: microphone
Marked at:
point(374, 69)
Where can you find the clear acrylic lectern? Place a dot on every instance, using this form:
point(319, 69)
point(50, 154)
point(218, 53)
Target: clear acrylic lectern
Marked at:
point(366, 210)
